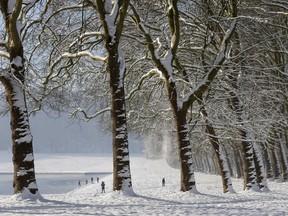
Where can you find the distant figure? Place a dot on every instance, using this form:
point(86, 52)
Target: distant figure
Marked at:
point(163, 182)
point(92, 180)
point(79, 184)
point(103, 187)
point(97, 180)
point(86, 181)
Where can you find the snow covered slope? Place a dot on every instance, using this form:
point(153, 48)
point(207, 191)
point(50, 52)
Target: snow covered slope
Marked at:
point(150, 197)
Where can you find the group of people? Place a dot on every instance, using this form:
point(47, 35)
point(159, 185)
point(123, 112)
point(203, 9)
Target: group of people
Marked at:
point(92, 182)
point(103, 183)
point(86, 181)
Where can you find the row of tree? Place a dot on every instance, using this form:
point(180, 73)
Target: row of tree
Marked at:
point(211, 74)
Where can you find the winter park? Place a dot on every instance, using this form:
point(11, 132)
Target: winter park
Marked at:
point(134, 107)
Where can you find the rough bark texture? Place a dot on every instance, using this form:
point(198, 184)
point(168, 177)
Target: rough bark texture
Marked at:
point(259, 167)
point(121, 164)
point(221, 160)
point(186, 163)
point(238, 162)
point(23, 160)
point(267, 163)
point(112, 22)
point(24, 172)
point(274, 164)
point(283, 160)
point(249, 172)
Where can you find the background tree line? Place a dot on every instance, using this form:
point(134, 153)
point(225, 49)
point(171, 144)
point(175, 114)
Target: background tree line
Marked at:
point(206, 78)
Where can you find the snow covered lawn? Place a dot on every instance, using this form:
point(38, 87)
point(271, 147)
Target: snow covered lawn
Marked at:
point(150, 197)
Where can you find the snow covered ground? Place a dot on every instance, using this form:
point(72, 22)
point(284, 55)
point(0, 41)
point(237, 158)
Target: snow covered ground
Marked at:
point(150, 197)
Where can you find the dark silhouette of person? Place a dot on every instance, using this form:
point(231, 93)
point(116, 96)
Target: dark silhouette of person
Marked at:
point(103, 186)
point(97, 180)
point(79, 184)
point(92, 180)
point(86, 181)
point(163, 182)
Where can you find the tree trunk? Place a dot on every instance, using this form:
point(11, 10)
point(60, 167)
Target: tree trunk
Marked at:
point(121, 163)
point(259, 167)
point(274, 163)
point(23, 160)
point(112, 22)
point(185, 153)
point(238, 162)
point(283, 160)
point(267, 163)
point(24, 182)
point(220, 155)
point(228, 161)
point(249, 172)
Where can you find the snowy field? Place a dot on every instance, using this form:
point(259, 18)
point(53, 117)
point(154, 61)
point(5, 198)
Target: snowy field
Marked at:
point(150, 197)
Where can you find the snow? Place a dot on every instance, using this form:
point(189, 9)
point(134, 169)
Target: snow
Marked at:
point(17, 61)
point(11, 4)
point(122, 67)
point(148, 198)
point(4, 54)
point(110, 20)
point(29, 157)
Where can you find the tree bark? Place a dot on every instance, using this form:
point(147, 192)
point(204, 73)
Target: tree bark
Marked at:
point(283, 160)
point(249, 172)
point(112, 22)
point(185, 152)
point(220, 155)
point(24, 181)
point(274, 163)
point(121, 162)
point(259, 167)
point(23, 159)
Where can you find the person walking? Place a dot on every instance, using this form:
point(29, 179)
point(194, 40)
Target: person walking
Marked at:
point(163, 182)
point(103, 187)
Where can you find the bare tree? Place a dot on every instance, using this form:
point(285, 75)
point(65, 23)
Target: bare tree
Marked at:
point(164, 67)
point(13, 79)
point(112, 17)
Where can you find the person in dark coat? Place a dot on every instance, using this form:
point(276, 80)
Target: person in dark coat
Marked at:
point(163, 182)
point(103, 186)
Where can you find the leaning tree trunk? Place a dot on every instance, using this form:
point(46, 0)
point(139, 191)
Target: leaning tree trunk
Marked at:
point(283, 160)
point(24, 181)
point(249, 172)
point(259, 167)
point(220, 155)
point(275, 171)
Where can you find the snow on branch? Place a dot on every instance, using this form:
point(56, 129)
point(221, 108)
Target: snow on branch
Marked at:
point(74, 55)
point(87, 117)
point(4, 54)
point(85, 35)
point(139, 84)
point(2, 42)
point(198, 91)
point(110, 18)
point(281, 4)
point(138, 21)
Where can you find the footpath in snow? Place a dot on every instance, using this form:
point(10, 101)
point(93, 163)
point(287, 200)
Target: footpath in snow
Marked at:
point(150, 197)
